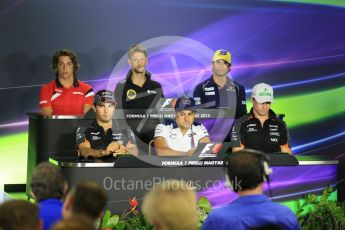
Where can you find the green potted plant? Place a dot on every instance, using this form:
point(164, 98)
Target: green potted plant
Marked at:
point(130, 219)
point(321, 213)
point(134, 219)
point(204, 208)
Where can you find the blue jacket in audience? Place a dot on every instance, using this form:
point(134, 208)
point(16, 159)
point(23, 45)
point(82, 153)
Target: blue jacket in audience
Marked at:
point(50, 212)
point(251, 211)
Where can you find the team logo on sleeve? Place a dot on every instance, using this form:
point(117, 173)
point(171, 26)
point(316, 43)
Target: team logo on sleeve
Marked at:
point(131, 94)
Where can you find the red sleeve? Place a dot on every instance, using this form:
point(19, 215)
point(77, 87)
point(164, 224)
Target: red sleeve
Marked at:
point(45, 96)
point(89, 94)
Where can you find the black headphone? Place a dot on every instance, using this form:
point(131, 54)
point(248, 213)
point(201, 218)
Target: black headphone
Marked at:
point(264, 169)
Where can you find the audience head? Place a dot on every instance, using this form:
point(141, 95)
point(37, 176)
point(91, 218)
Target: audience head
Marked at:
point(87, 198)
point(247, 169)
point(47, 182)
point(19, 214)
point(171, 206)
point(75, 223)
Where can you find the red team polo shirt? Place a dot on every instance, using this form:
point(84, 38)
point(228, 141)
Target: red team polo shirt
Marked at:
point(66, 101)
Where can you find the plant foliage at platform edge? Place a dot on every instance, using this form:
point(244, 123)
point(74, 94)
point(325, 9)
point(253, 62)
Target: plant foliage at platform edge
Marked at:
point(134, 219)
point(321, 213)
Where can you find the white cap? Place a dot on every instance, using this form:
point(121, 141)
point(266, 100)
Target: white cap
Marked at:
point(262, 93)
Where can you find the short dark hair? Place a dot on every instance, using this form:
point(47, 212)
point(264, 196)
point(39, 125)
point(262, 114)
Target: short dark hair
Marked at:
point(245, 170)
point(136, 48)
point(47, 181)
point(19, 214)
point(89, 199)
point(71, 55)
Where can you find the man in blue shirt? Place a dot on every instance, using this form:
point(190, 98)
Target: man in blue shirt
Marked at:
point(221, 91)
point(48, 187)
point(247, 170)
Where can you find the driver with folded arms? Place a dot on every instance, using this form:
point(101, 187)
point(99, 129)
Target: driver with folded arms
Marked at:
point(180, 137)
point(104, 136)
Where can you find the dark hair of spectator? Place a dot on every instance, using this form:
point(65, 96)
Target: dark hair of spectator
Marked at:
point(89, 199)
point(244, 170)
point(19, 214)
point(47, 182)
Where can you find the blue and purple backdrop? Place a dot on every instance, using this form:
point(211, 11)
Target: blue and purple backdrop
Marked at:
point(298, 47)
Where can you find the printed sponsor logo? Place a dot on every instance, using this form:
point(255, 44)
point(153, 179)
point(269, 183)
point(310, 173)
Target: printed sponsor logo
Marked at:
point(275, 134)
point(151, 91)
point(95, 138)
point(209, 88)
point(265, 93)
point(274, 139)
point(131, 94)
point(80, 93)
point(251, 130)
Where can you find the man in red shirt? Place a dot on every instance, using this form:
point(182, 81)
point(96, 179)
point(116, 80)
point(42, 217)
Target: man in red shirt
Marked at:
point(65, 95)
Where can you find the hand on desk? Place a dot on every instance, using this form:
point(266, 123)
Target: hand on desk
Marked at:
point(115, 148)
point(121, 150)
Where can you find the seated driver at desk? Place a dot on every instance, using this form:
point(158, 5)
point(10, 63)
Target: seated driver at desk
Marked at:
point(181, 136)
point(260, 129)
point(104, 136)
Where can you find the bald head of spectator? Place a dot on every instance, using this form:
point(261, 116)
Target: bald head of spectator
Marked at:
point(19, 214)
point(171, 206)
point(87, 199)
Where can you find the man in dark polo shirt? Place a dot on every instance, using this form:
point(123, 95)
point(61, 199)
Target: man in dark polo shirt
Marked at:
point(105, 137)
point(139, 92)
point(260, 129)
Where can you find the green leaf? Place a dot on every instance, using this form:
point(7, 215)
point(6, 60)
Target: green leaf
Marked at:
point(112, 222)
point(204, 204)
point(105, 219)
point(120, 225)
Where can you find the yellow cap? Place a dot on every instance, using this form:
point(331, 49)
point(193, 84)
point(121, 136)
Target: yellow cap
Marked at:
point(222, 55)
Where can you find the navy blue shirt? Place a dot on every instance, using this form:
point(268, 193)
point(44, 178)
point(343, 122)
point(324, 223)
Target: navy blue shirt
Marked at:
point(50, 211)
point(249, 212)
point(233, 96)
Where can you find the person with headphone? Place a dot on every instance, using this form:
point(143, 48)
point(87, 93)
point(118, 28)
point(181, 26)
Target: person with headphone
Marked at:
point(247, 170)
point(180, 137)
point(261, 129)
point(66, 95)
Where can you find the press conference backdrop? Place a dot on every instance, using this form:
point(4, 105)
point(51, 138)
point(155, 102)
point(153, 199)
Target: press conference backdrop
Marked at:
point(297, 47)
